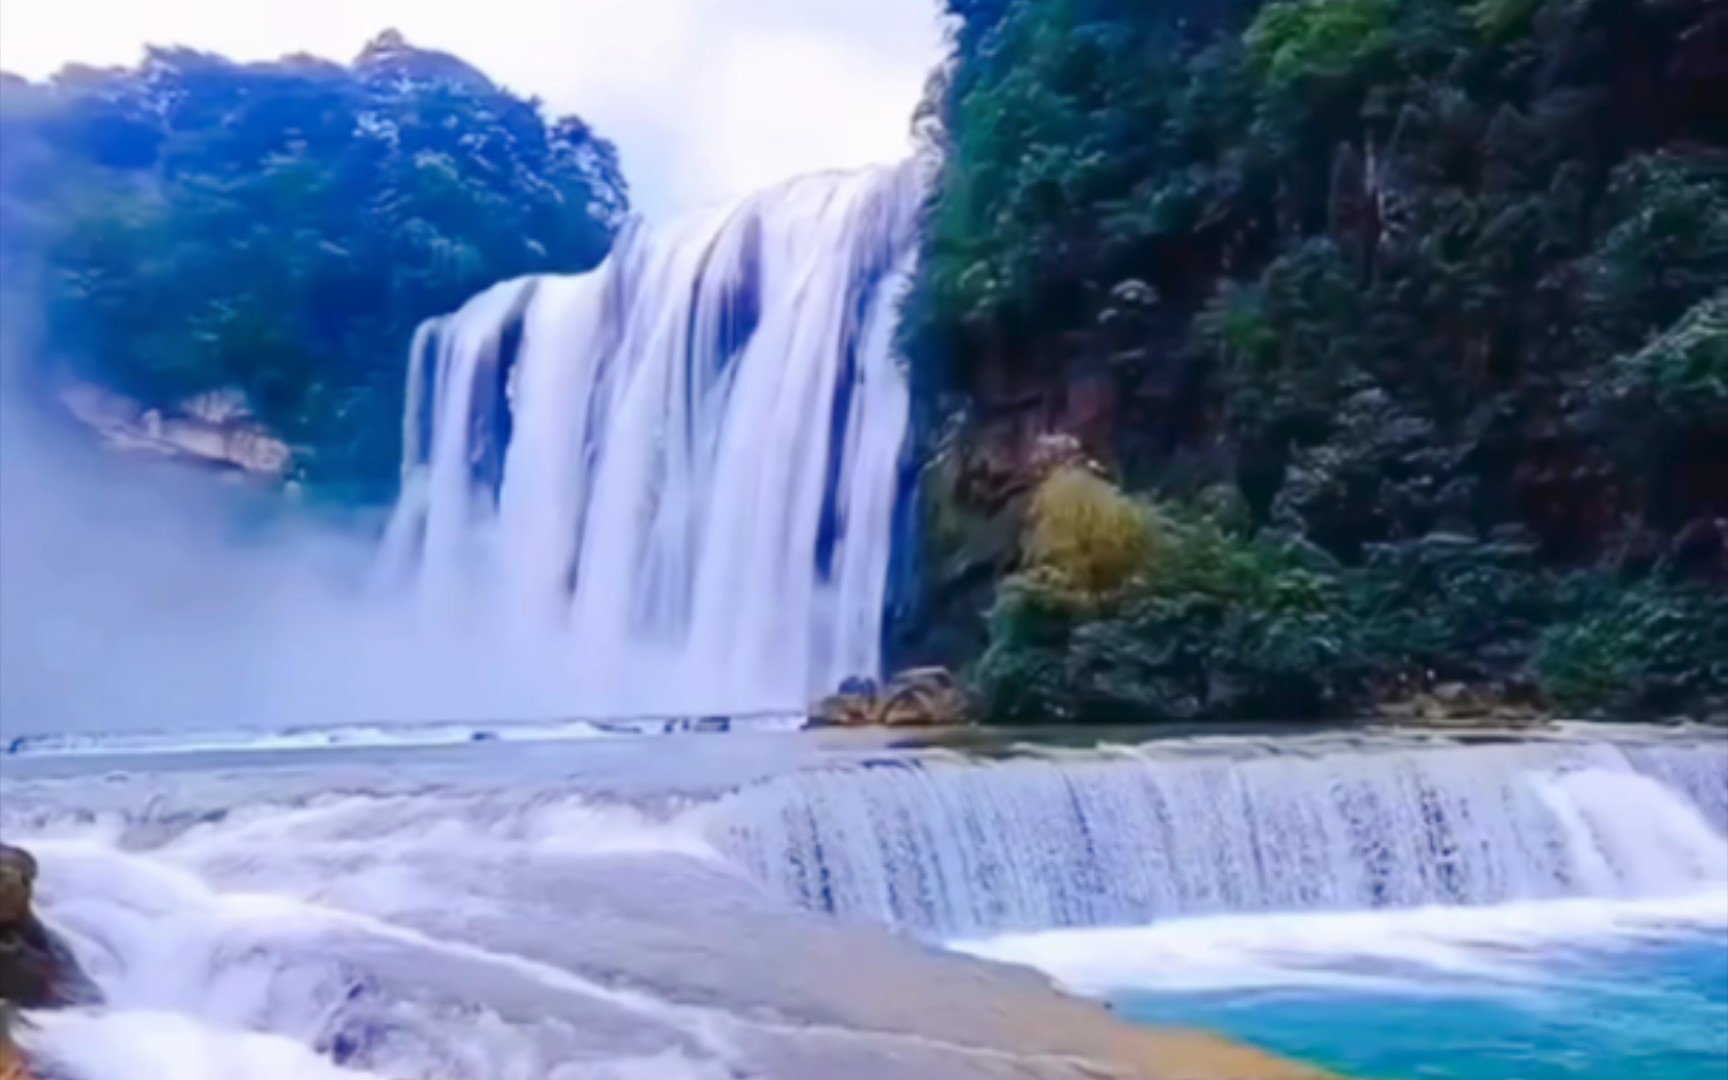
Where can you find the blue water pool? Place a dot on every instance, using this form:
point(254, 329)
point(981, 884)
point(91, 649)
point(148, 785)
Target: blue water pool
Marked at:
point(1630, 1011)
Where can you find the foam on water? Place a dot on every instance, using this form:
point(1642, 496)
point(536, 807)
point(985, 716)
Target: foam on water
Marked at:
point(311, 738)
point(1431, 950)
point(280, 931)
point(475, 934)
point(141, 1045)
point(361, 736)
point(129, 1044)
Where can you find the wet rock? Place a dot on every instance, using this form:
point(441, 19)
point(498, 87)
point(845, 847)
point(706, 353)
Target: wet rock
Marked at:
point(845, 710)
point(921, 697)
point(1455, 704)
point(11, 1060)
point(37, 969)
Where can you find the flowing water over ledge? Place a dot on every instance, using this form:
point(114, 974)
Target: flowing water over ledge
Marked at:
point(1026, 845)
point(604, 907)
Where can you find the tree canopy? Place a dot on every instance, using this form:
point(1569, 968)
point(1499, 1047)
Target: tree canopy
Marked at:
point(1433, 289)
point(193, 224)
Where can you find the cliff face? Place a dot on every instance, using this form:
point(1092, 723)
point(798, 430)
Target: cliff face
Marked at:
point(1429, 302)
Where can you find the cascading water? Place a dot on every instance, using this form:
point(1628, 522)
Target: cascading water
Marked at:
point(674, 477)
point(957, 851)
point(504, 911)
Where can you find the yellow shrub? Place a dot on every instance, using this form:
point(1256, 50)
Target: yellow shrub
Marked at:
point(1086, 534)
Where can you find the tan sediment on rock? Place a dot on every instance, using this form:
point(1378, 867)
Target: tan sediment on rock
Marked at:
point(1068, 1027)
point(1197, 1055)
point(982, 1010)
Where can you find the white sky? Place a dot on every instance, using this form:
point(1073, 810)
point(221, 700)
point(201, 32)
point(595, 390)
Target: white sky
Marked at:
point(706, 99)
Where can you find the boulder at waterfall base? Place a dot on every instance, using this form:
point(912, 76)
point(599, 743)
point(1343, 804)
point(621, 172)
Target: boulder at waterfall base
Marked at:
point(37, 969)
point(921, 697)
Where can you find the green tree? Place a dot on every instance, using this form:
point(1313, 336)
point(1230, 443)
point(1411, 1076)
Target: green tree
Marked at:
point(1436, 288)
point(194, 223)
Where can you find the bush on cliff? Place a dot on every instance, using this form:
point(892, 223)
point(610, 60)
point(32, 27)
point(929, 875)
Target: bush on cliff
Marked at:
point(1651, 650)
point(1212, 622)
point(1085, 537)
point(1208, 622)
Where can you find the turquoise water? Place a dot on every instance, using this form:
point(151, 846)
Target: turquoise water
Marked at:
point(1632, 1011)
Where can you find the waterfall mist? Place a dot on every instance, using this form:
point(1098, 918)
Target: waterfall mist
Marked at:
point(663, 486)
point(139, 596)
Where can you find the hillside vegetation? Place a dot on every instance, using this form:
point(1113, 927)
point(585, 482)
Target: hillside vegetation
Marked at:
point(1402, 323)
point(195, 224)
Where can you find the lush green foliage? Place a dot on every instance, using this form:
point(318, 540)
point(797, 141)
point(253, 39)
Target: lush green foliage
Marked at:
point(1292, 40)
point(1436, 289)
point(1213, 623)
point(194, 224)
point(1648, 648)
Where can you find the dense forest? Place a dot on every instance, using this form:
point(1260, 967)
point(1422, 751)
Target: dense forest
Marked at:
point(195, 224)
point(1302, 358)
point(1288, 359)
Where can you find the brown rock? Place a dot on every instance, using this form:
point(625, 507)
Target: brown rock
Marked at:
point(11, 1062)
point(17, 885)
point(37, 970)
point(920, 697)
point(845, 710)
point(1455, 705)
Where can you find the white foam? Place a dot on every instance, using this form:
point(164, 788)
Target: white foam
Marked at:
point(385, 857)
point(161, 941)
point(145, 1045)
point(1413, 951)
point(310, 738)
point(379, 829)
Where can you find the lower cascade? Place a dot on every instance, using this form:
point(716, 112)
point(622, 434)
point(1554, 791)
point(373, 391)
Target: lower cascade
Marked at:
point(514, 919)
point(960, 851)
point(677, 474)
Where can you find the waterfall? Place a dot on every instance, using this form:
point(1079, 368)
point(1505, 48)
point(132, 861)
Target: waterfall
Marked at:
point(959, 851)
point(674, 479)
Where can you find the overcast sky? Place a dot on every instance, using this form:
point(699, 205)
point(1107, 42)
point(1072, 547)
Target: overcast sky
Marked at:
point(707, 99)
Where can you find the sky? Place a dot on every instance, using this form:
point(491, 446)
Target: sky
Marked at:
point(706, 99)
